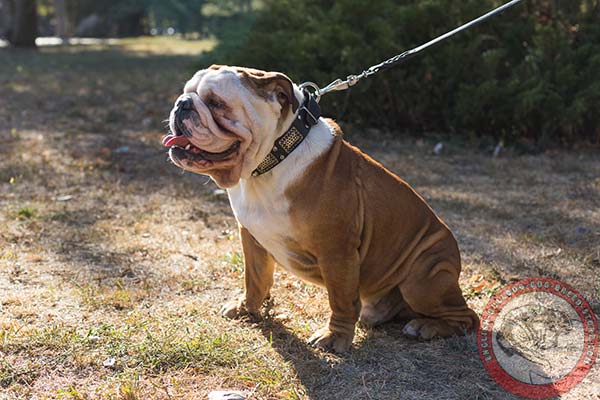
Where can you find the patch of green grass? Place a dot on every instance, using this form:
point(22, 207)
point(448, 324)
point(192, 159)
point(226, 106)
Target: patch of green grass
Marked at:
point(193, 284)
point(118, 297)
point(163, 44)
point(10, 375)
point(27, 213)
point(533, 238)
point(8, 255)
point(69, 393)
point(138, 346)
point(235, 260)
point(160, 353)
point(129, 387)
point(7, 374)
point(58, 216)
point(265, 376)
point(55, 337)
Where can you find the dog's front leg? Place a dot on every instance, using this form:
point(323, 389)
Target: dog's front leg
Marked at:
point(341, 278)
point(259, 266)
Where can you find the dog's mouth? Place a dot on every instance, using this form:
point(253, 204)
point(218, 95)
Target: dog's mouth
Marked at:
point(182, 148)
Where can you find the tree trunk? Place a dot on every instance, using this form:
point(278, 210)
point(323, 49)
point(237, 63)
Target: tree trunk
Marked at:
point(6, 18)
point(60, 13)
point(130, 25)
point(24, 29)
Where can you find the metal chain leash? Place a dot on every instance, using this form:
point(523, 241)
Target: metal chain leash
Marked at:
point(352, 80)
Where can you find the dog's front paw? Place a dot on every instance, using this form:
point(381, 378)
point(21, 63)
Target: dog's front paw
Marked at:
point(237, 309)
point(325, 339)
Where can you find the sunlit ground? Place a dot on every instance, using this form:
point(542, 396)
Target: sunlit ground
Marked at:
point(114, 263)
point(144, 44)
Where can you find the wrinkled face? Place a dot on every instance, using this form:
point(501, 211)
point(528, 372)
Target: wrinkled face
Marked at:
point(227, 119)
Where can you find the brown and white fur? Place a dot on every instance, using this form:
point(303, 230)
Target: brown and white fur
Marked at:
point(328, 213)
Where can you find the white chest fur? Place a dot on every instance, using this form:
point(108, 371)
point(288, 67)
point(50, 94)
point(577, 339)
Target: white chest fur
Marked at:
point(259, 203)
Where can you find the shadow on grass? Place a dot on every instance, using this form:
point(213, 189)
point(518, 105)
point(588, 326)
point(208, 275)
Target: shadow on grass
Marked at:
point(89, 124)
point(104, 91)
point(541, 229)
point(385, 365)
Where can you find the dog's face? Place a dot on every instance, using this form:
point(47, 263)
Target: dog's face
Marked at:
point(227, 119)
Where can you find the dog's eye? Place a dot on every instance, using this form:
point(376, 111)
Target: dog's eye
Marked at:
point(216, 104)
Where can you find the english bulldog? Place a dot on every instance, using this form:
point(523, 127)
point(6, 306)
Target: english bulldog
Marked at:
point(319, 207)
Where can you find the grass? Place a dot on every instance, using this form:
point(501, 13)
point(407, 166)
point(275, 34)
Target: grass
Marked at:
point(108, 251)
point(26, 213)
point(235, 261)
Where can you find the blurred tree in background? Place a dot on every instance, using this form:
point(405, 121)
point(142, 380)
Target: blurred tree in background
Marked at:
point(531, 73)
point(119, 18)
point(115, 18)
point(18, 22)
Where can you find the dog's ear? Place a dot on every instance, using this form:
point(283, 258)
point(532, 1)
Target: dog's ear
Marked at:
point(215, 66)
point(268, 83)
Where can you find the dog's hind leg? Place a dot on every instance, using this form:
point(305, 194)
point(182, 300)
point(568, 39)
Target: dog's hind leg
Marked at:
point(433, 292)
point(390, 306)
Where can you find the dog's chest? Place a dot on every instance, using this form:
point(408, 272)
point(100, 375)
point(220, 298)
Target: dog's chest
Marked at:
point(266, 216)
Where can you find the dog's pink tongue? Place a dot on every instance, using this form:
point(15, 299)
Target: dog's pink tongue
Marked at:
point(172, 140)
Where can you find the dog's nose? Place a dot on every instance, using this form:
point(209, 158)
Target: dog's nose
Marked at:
point(185, 104)
point(183, 110)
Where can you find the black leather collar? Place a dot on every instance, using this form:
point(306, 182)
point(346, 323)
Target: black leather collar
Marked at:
point(308, 116)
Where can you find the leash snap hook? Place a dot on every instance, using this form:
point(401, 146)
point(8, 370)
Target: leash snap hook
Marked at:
point(316, 90)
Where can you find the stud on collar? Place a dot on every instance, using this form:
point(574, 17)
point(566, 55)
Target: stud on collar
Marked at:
point(308, 116)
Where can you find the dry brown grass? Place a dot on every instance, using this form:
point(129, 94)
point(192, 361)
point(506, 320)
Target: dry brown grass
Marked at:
point(135, 264)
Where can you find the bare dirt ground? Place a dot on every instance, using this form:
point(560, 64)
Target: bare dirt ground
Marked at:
point(114, 263)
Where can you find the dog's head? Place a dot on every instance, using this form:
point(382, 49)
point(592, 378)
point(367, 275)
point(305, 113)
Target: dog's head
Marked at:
point(227, 119)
